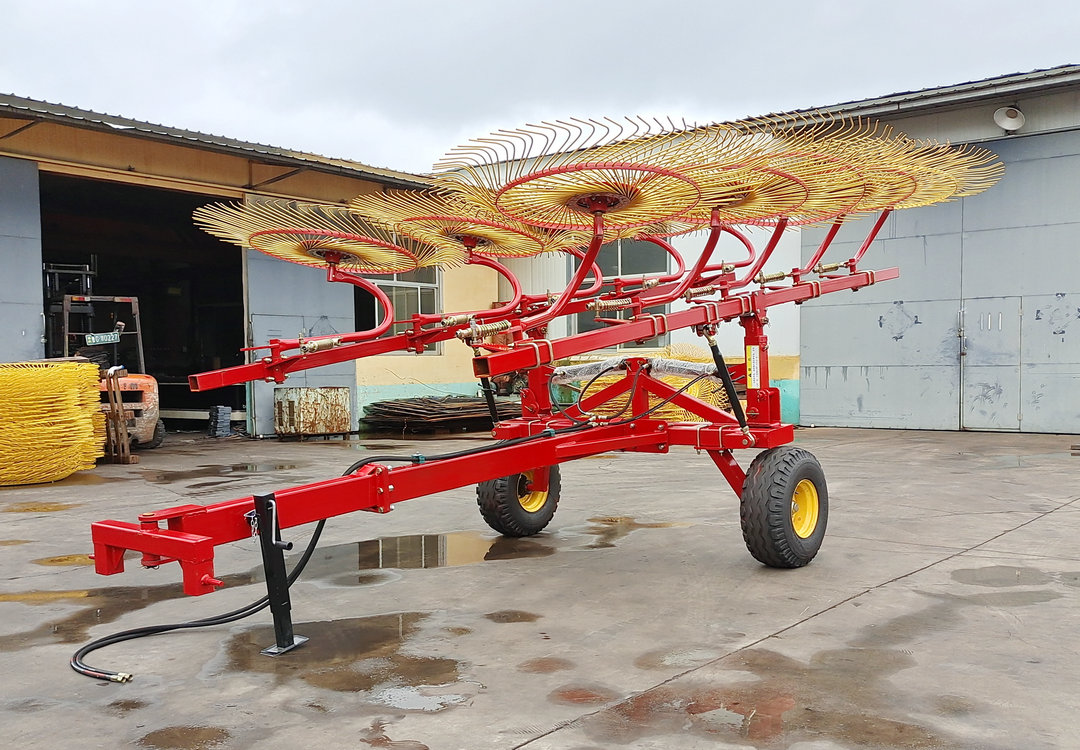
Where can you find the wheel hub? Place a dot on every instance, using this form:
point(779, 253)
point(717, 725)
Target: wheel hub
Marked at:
point(531, 500)
point(805, 508)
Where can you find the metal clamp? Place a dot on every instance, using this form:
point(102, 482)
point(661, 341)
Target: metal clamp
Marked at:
point(535, 344)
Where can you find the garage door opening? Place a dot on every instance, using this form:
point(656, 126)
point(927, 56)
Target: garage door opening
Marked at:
point(123, 240)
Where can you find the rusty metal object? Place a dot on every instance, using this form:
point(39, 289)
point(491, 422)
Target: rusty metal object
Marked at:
point(312, 411)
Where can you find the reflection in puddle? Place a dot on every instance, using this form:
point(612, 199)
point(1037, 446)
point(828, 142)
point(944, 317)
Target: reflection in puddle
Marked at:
point(609, 529)
point(358, 655)
point(414, 552)
point(212, 470)
point(86, 478)
point(98, 606)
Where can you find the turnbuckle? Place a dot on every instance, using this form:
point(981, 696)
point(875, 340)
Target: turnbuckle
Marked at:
point(618, 303)
point(698, 291)
point(476, 332)
point(766, 278)
point(319, 345)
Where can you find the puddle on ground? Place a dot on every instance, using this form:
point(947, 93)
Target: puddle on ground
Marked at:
point(512, 615)
point(375, 736)
point(32, 507)
point(124, 706)
point(211, 470)
point(352, 564)
point(340, 563)
point(609, 529)
point(582, 695)
point(98, 606)
point(686, 657)
point(843, 695)
point(374, 448)
point(185, 738)
point(63, 560)
point(357, 655)
point(545, 665)
point(86, 478)
point(1001, 576)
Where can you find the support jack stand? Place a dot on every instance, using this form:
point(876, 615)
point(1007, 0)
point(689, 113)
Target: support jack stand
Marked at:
point(277, 581)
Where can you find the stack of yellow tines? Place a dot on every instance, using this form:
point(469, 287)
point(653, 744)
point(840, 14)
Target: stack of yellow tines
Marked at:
point(51, 424)
point(709, 390)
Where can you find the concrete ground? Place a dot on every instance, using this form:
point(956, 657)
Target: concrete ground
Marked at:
point(940, 613)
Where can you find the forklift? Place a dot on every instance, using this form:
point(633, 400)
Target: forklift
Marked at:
point(72, 318)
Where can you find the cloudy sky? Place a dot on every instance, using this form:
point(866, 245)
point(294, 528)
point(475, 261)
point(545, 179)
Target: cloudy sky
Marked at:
point(397, 83)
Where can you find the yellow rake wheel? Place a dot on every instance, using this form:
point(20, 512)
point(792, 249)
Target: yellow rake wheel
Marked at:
point(802, 169)
point(514, 506)
point(318, 235)
point(784, 507)
point(454, 222)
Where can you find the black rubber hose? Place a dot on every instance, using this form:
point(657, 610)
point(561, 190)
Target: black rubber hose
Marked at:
point(489, 397)
point(79, 666)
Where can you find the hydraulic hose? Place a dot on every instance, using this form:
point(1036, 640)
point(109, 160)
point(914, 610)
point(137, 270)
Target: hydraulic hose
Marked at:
point(82, 668)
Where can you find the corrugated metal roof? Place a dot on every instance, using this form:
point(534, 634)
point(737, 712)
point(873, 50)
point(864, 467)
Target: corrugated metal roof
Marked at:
point(33, 109)
point(958, 94)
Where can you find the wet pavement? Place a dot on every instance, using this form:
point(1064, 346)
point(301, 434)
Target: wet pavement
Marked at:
point(940, 612)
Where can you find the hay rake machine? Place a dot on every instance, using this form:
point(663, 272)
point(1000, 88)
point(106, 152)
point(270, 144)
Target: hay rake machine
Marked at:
point(572, 187)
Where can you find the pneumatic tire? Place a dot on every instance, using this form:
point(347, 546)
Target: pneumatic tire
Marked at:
point(513, 508)
point(784, 507)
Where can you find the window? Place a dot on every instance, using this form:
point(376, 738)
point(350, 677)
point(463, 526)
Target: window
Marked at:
point(628, 258)
point(410, 293)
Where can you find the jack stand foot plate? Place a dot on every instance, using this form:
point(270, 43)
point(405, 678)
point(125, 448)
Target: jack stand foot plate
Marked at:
point(298, 640)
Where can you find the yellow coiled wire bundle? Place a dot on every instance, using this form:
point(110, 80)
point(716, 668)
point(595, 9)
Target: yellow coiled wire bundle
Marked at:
point(51, 424)
point(709, 390)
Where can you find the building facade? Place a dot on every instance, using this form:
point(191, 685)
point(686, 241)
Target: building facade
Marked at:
point(982, 329)
point(92, 203)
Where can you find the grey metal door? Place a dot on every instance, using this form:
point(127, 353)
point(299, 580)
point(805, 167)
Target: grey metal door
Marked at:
point(1050, 356)
point(990, 363)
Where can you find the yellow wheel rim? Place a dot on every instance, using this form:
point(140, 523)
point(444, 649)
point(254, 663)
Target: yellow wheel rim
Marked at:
point(804, 509)
point(530, 500)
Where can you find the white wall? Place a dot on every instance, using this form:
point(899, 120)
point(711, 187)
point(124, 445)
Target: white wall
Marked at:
point(783, 329)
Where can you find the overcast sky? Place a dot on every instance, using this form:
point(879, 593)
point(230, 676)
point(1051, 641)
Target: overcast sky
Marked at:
point(396, 84)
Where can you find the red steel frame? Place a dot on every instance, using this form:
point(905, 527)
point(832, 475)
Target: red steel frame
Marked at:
point(541, 438)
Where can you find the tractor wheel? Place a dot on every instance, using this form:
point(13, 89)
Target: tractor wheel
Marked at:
point(156, 440)
point(511, 507)
point(784, 507)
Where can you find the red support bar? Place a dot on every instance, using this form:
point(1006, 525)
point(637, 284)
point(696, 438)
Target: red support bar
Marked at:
point(526, 354)
point(731, 470)
point(194, 531)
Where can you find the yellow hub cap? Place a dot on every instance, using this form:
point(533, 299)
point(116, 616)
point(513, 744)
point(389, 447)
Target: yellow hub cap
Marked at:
point(530, 500)
point(804, 509)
